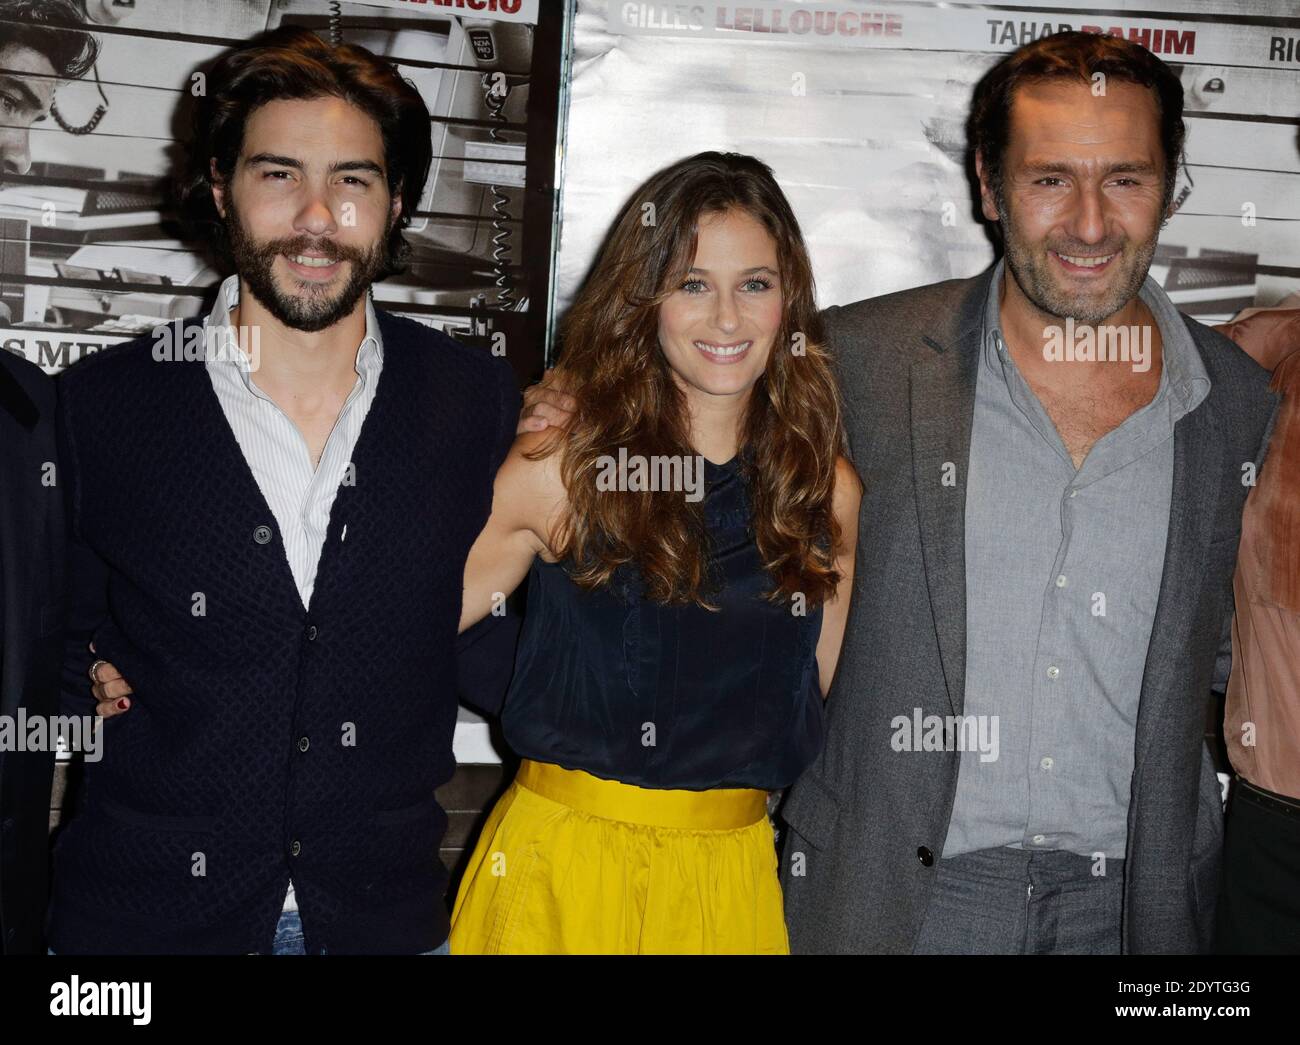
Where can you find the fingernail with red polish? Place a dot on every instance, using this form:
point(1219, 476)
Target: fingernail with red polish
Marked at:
point(122, 704)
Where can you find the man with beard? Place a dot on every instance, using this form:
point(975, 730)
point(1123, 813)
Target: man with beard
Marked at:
point(1054, 462)
point(270, 547)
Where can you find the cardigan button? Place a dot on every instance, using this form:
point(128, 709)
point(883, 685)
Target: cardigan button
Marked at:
point(925, 856)
point(311, 633)
point(262, 535)
point(295, 847)
point(303, 743)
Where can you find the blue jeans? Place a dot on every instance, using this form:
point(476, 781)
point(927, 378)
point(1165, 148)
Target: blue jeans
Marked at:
point(288, 937)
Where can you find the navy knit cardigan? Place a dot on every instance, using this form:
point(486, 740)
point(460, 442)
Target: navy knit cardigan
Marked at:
point(266, 738)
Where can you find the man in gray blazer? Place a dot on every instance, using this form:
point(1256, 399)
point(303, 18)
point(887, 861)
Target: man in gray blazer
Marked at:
point(1055, 465)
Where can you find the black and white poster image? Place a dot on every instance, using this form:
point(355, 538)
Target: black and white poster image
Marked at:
point(97, 95)
point(860, 107)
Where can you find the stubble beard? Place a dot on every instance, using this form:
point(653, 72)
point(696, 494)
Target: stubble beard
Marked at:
point(1031, 267)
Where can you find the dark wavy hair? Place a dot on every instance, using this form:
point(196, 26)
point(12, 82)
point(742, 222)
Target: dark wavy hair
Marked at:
point(792, 432)
point(294, 63)
point(54, 28)
point(1077, 56)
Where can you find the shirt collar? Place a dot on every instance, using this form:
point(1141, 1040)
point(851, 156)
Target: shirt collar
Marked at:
point(370, 353)
point(992, 347)
point(1188, 379)
point(1183, 372)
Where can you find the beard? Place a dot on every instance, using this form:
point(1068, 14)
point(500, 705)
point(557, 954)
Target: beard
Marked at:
point(314, 307)
point(1034, 273)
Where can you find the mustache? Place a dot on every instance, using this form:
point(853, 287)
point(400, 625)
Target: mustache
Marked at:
point(305, 244)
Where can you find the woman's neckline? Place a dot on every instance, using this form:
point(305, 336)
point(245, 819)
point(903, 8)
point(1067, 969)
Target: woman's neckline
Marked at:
point(714, 466)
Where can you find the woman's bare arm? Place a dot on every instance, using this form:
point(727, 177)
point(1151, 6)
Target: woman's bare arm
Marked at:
point(526, 499)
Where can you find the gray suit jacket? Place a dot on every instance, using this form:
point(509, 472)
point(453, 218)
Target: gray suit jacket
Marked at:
point(866, 823)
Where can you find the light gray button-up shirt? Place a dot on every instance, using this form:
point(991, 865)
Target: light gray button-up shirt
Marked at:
point(1063, 572)
point(299, 496)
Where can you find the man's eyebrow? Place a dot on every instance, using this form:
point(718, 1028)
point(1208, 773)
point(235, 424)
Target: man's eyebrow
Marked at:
point(334, 168)
point(30, 99)
point(747, 272)
point(1119, 167)
point(358, 165)
point(272, 158)
point(1132, 167)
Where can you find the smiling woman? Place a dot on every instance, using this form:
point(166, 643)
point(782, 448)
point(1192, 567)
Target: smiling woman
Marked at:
point(676, 647)
point(709, 302)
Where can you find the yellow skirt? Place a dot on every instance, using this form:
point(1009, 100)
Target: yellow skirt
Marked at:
point(569, 863)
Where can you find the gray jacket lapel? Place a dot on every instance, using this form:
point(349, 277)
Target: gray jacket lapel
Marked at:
point(943, 405)
point(1198, 452)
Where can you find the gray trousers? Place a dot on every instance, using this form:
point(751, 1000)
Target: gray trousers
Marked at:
point(1019, 901)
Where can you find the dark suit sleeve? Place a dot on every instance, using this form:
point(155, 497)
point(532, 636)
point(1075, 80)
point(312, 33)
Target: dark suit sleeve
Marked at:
point(485, 652)
point(86, 578)
point(485, 662)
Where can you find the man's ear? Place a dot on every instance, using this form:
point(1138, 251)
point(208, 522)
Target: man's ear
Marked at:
point(1171, 207)
point(395, 208)
point(218, 187)
point(988, 204)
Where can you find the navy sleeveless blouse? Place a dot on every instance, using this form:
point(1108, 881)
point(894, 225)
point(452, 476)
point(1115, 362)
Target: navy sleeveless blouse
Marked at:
point(671, 696)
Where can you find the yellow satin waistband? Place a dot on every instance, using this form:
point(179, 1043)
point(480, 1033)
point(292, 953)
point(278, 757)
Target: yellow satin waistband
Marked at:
point(721, 809)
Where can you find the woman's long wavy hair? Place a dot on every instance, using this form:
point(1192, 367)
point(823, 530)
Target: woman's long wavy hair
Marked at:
point(627, 398)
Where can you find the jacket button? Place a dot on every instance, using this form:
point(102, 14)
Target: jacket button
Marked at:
point(925, 856)
point(311, 632)
point(303, 743)
point(295, 847)
point(262, 535)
